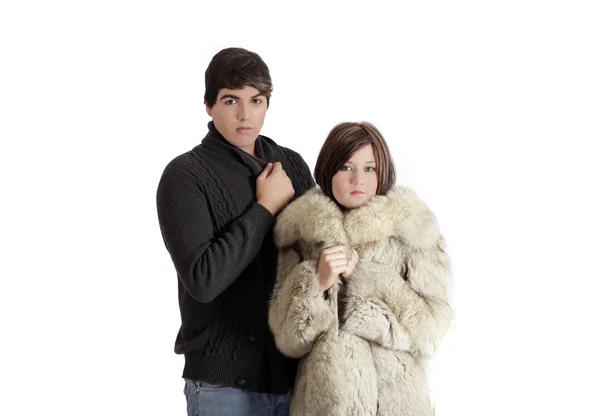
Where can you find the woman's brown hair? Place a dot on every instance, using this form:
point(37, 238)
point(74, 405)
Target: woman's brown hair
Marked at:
point(341, 143)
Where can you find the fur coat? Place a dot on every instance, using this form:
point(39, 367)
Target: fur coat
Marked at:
point(363, 345)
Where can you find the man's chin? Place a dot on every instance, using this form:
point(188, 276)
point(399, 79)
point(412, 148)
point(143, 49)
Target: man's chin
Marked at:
point(242, 140)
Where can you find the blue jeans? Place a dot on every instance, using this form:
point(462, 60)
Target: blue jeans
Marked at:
point(204, 399)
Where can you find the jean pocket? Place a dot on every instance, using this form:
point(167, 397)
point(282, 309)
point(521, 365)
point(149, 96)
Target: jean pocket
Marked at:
point(203, 385)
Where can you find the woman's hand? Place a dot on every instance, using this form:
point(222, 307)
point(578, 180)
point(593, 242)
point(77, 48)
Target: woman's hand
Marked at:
point(351, 265)
point(332, 263)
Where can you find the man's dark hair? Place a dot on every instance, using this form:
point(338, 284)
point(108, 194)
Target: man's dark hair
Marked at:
point(235, 68)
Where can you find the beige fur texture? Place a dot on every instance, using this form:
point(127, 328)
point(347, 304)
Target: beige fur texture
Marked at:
point(364, 346)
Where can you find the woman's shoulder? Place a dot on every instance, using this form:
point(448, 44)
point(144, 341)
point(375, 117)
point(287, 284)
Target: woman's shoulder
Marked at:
point(306, 217)
point(400, 213)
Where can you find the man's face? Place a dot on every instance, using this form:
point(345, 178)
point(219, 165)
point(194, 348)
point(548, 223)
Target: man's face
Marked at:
point(239, 115)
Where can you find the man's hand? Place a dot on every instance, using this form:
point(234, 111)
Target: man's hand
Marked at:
point(273, 188)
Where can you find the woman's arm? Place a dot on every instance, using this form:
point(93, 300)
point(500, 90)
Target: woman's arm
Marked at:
point(408, 312)
point(421, 299)
point(370, 318)
point(298, 312)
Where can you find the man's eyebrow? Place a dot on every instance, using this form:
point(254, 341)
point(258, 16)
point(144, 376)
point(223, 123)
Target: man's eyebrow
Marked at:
point(230, 96)
point(235, 97)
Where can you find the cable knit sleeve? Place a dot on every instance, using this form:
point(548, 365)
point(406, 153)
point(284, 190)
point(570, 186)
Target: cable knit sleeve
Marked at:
point(207, 262)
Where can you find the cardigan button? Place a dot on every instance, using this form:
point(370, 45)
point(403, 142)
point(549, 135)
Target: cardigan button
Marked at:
point(252, 338)
point(241, 381)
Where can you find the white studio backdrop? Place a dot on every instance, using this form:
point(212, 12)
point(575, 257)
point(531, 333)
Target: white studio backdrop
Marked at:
point(491, 110)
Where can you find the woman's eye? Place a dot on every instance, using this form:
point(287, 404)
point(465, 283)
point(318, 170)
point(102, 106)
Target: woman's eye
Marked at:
point(345, 168)
point(370, 169)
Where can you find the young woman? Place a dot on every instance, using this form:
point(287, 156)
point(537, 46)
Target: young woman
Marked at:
point(362, 288)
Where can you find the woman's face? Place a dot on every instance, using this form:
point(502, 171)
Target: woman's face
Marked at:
point(356, 181)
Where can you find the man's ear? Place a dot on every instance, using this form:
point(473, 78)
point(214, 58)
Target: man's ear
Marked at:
point(209, 111)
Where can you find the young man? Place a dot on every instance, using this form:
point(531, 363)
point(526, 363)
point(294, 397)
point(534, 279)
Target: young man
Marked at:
point(216, 207)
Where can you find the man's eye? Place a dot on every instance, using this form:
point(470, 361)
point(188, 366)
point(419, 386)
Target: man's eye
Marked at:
point(257, 101)
point(229, 102)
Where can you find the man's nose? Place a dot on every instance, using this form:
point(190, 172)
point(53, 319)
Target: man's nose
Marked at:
point(243, 112)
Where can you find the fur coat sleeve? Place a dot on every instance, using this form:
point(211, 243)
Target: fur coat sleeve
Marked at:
point(422, 299)
point(410, 312)
point(298, 312)
point(400, 297)
point(368, 316)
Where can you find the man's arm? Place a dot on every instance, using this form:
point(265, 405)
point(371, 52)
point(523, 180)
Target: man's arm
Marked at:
point(207, 261)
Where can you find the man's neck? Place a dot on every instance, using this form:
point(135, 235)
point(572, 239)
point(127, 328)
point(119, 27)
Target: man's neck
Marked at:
point(249, 149)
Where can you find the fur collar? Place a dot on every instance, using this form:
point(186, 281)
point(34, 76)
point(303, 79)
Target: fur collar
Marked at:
point(315, 218)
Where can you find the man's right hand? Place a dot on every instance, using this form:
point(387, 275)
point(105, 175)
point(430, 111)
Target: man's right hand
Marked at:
point(274, 188)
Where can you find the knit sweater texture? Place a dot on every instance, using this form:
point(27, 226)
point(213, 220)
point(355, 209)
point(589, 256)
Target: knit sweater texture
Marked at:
point(221, 243)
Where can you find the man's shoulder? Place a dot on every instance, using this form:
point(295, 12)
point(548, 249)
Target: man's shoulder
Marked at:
point(292, 153)
point(301, 171)
point(297, 161)
point(288, 152)
point(194, 164)
point(191, 159)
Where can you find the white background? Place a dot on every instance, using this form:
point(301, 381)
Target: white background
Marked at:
point(492, 113)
